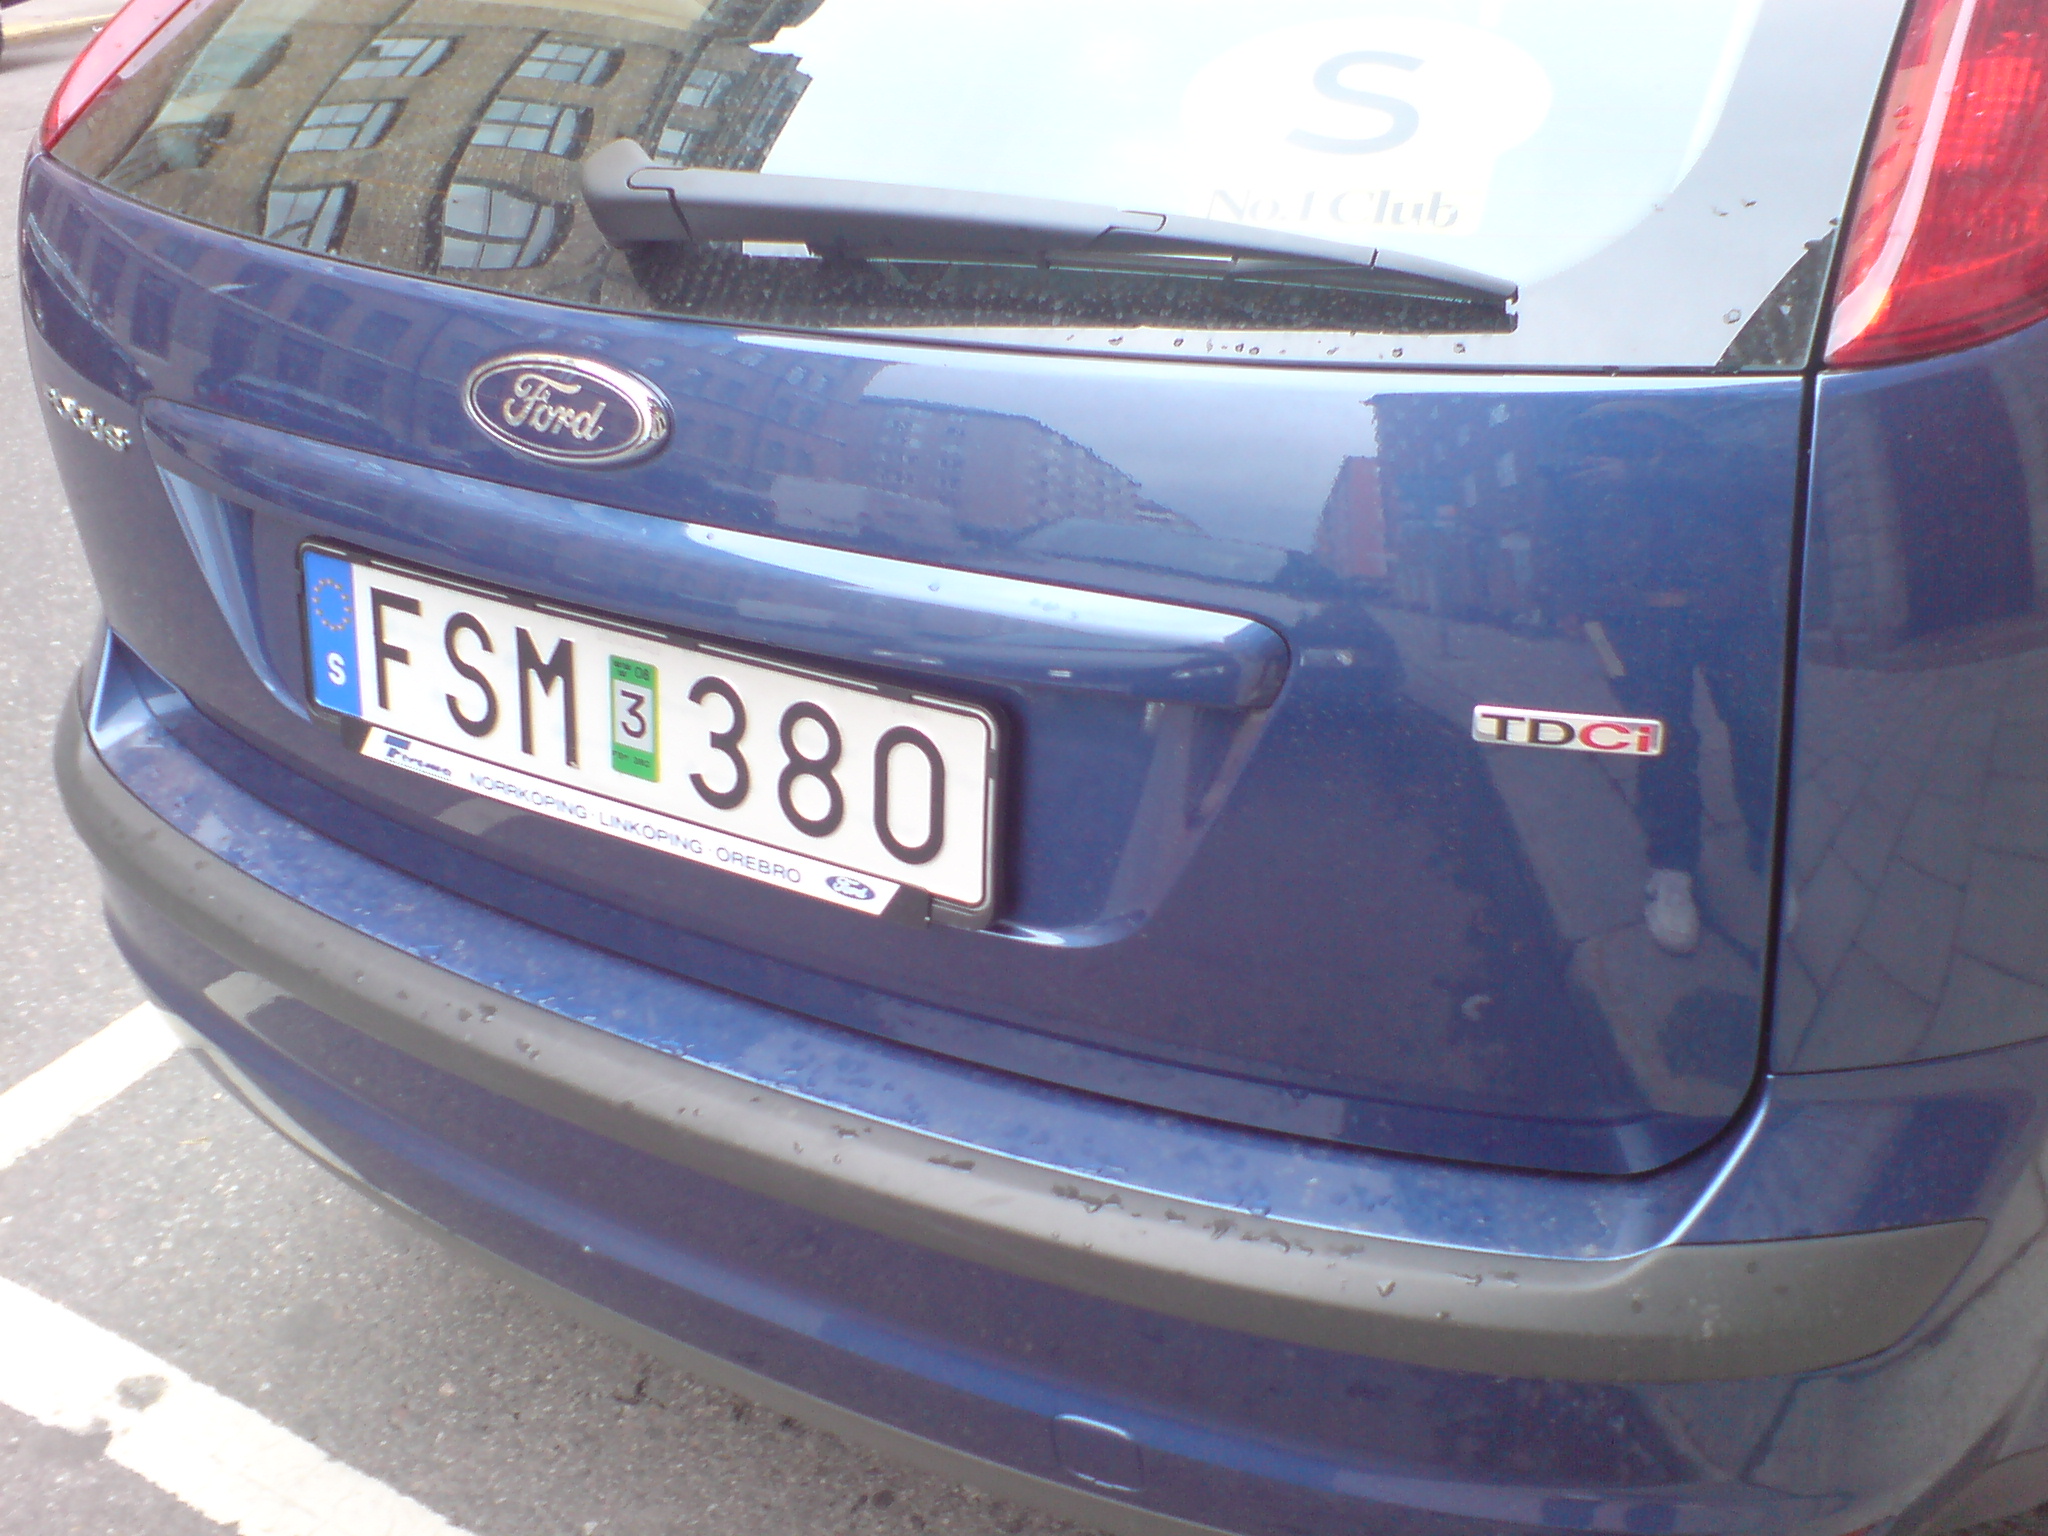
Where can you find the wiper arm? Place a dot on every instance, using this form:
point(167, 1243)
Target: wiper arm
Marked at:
point(634, 200)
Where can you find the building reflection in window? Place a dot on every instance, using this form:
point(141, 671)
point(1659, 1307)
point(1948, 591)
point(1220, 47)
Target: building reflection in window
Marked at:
point(703, 88)
point(674, 145)
point(534, 125)
point(568, 63)
point(394, 58)
point(171, 146)
point(233, 62)
point(313, 218)
point(679, 136)
point(487, 228)
point(476, 113)
point(344, 125)
point(191, 127)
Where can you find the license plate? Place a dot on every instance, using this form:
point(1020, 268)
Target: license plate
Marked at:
point(853, 792)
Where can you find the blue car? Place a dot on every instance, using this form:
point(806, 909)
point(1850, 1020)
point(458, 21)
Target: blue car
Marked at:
point(1276, 769)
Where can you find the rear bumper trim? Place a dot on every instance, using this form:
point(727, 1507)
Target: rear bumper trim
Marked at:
point(1675, 1313)
point(1089, 1510)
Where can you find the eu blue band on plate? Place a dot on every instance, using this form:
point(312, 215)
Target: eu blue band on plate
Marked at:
point(331, 633)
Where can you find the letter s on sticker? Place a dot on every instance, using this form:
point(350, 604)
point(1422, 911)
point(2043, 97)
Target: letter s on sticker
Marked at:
point(1402, 118)
point(337, 669)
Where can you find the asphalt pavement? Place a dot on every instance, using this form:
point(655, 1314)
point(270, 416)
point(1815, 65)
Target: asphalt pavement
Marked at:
point(171, 1220)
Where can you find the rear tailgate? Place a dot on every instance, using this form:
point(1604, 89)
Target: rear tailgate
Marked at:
point(1338, 714)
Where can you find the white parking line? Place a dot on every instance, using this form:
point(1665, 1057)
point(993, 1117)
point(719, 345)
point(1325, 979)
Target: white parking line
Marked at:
point(226, 1461)
point(74, 1085)
point(208, 1451)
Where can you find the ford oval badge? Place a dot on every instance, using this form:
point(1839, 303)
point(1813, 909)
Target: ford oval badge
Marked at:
point(852, 889)
point(567, 410)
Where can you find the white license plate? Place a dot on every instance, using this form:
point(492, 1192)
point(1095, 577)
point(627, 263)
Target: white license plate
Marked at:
point(836, 788)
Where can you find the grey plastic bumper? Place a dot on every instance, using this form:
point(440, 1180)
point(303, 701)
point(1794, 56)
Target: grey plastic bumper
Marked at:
point(1682, 1313)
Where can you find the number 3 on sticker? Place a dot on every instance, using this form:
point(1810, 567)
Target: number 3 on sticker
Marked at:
point(636, 699)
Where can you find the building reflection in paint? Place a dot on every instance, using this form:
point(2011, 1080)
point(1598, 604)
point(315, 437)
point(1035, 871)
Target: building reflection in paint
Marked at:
point(1604, 555)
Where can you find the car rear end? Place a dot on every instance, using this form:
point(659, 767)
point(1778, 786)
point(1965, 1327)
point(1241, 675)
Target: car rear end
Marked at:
point(1147, 863)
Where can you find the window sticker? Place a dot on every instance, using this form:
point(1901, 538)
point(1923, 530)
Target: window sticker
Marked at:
point(1514, 137)
point(1363, 129)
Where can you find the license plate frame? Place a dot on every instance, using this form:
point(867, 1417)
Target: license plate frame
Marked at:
point(622, 804)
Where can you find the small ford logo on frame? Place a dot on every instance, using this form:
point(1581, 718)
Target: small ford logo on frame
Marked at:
point(567, 410)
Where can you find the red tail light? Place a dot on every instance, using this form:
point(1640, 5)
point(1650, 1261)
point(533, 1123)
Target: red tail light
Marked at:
point(107, 57)
point(1949, 242)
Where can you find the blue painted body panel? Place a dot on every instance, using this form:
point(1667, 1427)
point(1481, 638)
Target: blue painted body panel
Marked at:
point(1233, 1431)
point(1916, 843)
point(876, 613)
point(1335, 915)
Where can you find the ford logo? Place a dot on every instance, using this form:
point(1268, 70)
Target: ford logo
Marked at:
point(567, 410)
point(847, 886)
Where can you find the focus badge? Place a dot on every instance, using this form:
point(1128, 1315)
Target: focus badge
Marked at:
point(567, 410)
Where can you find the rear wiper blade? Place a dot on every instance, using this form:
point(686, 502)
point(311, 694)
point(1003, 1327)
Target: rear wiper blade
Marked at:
point(634, 200)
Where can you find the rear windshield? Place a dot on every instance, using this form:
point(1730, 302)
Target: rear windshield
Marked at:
point(1660, 181)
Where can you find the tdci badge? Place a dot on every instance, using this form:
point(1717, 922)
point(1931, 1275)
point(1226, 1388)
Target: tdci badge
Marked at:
point(1513, 725)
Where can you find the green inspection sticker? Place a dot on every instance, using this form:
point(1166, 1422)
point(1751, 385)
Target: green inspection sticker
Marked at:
point(636, 696)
